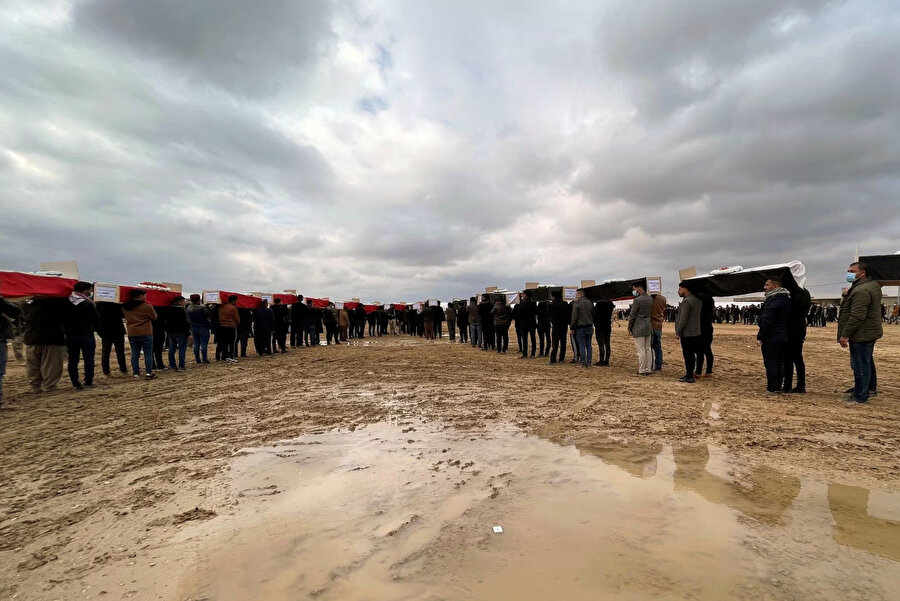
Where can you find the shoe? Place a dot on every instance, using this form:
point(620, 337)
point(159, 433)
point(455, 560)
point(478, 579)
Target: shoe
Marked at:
point(162, 368)
point(852, 399)
point(230, 360)
point(206, 362)
point(774, 391)
point(175, 369)
point(34, 391)
point(599, 363)
point(686, 380)
point(150, 376)
point(91, 385)
point(799, 390)
point(552, 362)
point(77, 386)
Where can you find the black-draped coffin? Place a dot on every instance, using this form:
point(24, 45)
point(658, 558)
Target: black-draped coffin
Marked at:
point(613, 291)
point(885, 269)
point(544, 293)
point(741, 282)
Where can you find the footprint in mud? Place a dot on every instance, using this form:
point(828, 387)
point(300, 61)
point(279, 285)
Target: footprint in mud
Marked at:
point(260, 491)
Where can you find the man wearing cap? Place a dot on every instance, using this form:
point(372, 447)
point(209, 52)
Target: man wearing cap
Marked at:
point(81, 322)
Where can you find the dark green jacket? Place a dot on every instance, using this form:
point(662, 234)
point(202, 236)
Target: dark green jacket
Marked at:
point(860, 317)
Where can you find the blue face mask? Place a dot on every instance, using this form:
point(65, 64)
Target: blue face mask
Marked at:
point(634, 293)
point(851, 277)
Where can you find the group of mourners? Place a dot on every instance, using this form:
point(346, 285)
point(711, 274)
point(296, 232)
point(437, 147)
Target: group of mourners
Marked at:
point(58, 328)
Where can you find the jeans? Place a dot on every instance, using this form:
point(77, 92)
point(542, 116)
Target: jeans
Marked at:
point(656, 345)
point(141, 344)
point(861, 363)
point(475, 334)
point(106, 345)
point(501, 332)
point(312, 334)
point(603, 347)
point(3, 352)
point(201, 343)
point(177, 342)
point(583, 337)
point(78, 347)
point(773, 359)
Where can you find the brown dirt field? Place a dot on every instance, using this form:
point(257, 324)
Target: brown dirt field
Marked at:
point(95, 480)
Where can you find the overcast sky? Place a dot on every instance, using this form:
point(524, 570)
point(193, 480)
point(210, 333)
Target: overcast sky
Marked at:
point(401, 150)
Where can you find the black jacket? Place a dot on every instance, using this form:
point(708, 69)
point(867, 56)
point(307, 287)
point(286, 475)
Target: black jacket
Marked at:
point(265, 319)
point(81, 319)
point(773, 319)
point(603, 311)
point(462, 316)
point(800, 303)
point(177, 321)
point(527, 315)
point(707, 315)
point(282, 317)
point(44, 321)
point(543, 314)
point(8, 312)
point(560, 314)
point(484, 311)
point(298, 315)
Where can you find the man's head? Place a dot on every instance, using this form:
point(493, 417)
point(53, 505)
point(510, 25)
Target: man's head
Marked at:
point(178, 301)
point(232, 299)
point(299, 298)
point(331, 305)
point(195, 298)
point(277, 301)
point(637, 289)
point(83, 287)
point(473, 300)
point(556, 294)
point(683, 290)
point(773, 283)
point(579, 293)
point(858, 269)
point(485, 298)
point(137, 294)
point(529, 294)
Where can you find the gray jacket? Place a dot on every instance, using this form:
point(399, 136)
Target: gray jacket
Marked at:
point(582, 313)
point(687, 324)
point(639, 317)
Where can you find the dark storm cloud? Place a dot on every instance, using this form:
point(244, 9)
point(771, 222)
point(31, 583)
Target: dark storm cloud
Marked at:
point(405, 150)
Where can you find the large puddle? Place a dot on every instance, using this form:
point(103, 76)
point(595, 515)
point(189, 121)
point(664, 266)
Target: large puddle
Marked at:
point(407, 511)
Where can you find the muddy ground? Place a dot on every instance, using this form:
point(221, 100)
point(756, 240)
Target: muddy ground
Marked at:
point(97, 483)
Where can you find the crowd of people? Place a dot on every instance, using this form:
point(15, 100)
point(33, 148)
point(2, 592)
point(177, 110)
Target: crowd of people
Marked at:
point(56, 330)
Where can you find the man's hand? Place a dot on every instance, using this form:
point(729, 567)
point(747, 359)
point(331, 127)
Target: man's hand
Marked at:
point(571, 332)
point(759, 343)
point(844, 342)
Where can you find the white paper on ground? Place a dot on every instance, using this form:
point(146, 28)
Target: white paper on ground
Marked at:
point(498, 529)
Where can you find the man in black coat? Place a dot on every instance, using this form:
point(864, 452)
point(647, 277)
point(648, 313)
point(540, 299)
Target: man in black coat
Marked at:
point(265, 323)
point(298, 322)
point(45, 342)
point(527, 315)
point(82, 320)
point(462, 321)
point(560, 316)
point(8, 313)
point(112, 334)
point(485, 307)
point(773, 332)
point(244, 329)
point(280, 328)
point(798, 321)
point(603, 311)
point(178, 329)
point(543, 328)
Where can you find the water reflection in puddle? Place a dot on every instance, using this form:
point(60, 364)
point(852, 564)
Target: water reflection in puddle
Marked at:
point(406, 512)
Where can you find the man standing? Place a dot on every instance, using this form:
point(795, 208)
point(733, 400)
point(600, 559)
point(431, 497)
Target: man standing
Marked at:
point(773, 332)
point(528, 316)
point(139, 318)
point(583, 326)
point(640, 329)
point(81, 322)
point(331, 328)
point(265, 323)
point(687, 330)
point(859, 326)
point(229, 320)
point(474, 322)
point(657, 316)
point(298, 322)
point(603, 311)
point(485, 309)
point(560, 316)
point(343, 322)
point(8, 312)
point(45, 342)
point(178, 328)
point(501, 314)
point(282, 321)
point(428, 321)
point(462, 321)
point(200, 317)
point(543, 328)
point(704, 345)
point(797, 324)
point(450, 314)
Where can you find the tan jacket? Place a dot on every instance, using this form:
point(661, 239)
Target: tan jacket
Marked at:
point(138, 321)
point(658, 311)
point(229, 316)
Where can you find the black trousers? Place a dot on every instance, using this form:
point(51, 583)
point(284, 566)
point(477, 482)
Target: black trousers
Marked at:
point(558, 337)
point(704, 350)
point(263, 342)
point(225, 341)
point(529, 332)
point(463, 331)
point(106, 345)
point(543, 332)
point(81, 347)
point(793, 358)
point(243, 340)
point(603, 345)
point(773, 359)
point(501, 332)
point(296, 337)
point(331, 333)
point(159, 342)
point(689, 346)
point(279, 339)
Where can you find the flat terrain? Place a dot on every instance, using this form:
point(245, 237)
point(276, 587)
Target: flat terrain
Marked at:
point(98, 482)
